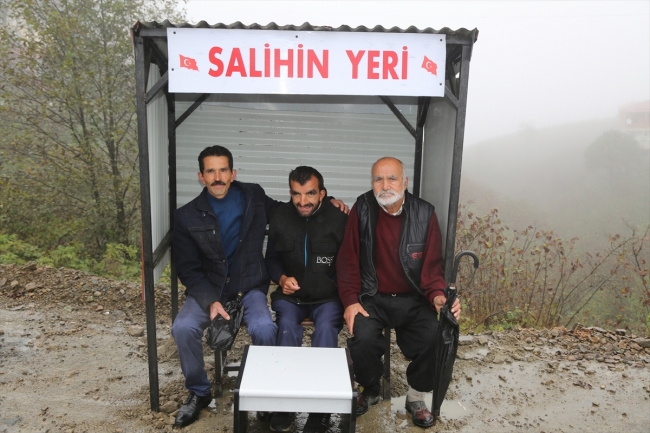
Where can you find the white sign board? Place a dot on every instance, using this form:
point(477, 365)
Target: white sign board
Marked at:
point(305, 63)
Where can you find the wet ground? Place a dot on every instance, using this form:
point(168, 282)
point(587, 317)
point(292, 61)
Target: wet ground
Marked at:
point(73, 360)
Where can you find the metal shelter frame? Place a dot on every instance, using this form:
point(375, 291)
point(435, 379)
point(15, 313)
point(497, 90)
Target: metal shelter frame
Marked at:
point(150, 46)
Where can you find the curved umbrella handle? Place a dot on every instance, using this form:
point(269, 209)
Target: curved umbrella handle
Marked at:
point(459, 256)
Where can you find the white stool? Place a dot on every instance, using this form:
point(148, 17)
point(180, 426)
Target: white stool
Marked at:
point(294, 379)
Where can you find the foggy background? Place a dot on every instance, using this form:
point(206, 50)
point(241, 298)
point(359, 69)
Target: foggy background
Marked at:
point(547, 79)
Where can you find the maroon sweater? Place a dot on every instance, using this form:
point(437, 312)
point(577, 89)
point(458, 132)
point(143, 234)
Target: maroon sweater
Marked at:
point(390, 275)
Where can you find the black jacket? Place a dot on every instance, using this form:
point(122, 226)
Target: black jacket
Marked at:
point(291, 236)
point(415, 224)
point(200, 259)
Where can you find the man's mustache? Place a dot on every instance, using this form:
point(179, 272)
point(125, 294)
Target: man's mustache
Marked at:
point(218, 182)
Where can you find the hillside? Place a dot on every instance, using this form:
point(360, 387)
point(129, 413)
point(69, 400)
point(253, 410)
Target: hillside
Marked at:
point(540, 177)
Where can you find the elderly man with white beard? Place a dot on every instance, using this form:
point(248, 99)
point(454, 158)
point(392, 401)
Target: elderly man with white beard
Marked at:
point(390, 273)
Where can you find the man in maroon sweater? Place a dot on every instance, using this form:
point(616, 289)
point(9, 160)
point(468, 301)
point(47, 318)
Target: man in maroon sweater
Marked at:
point(390, 273)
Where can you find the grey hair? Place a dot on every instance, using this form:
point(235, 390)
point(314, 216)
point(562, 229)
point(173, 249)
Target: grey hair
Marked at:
point(394, 159)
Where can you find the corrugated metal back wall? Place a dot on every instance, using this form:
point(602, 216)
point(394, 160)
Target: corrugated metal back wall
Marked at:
point(268, 140)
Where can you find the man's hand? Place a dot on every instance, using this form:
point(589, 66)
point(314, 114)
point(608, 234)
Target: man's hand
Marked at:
point(350, 313)
point(340, 205)
point(289, 285)
point(439, 302)
point(217, 309)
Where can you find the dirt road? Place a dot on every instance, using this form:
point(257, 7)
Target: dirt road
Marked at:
point(73, 359)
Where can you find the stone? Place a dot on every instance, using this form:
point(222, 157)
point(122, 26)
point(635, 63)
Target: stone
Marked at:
point(601, 330)
point(607, 347)
point(3, 281)
point(169, 407)
point(30, 287)
point(482, 340)
point(465, 340)
point(500, 358)
point(135, 331)
point(13, 284)
point(643, 342)
point(621, 332)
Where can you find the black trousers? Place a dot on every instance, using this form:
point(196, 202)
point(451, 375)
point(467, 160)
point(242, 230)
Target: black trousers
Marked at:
point(415, 324)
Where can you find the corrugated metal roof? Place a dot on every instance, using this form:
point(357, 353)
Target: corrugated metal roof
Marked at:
point(461, 33)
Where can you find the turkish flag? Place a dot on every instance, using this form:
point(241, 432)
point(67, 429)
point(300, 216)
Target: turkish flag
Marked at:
point(188, 62)
point(430, 66)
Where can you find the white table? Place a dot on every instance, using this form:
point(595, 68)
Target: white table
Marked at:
point(294, 379)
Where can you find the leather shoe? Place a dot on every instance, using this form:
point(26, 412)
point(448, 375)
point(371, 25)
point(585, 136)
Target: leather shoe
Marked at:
point(420, 414)
point(317, 423)
point(189, 411)
point(282, 421)
point(263, 416)
point(364, 401)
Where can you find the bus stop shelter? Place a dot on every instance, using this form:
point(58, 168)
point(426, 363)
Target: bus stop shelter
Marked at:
point(277, 97)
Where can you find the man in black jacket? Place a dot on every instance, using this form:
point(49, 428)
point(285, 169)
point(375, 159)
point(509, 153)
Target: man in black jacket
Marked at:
point(390, 273)
point(217, 242)
point(304, 237)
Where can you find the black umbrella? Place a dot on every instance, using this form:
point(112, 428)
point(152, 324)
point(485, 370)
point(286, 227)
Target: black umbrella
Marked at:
point(447, 341)
point(221, 332)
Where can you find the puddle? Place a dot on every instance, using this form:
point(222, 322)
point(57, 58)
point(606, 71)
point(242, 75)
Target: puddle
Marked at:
point(453, 409)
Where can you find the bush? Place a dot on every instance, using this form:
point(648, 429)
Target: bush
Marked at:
point(13, 250)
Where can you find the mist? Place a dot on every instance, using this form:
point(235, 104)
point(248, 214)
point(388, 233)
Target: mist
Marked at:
point(547, 78)
point(535, 64)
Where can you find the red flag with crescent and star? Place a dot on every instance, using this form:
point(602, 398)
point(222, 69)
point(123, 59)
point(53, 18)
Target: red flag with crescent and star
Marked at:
point(188, 62)
point(430, 66)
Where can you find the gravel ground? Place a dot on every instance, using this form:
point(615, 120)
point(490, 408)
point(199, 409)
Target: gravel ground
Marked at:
point(73, 359)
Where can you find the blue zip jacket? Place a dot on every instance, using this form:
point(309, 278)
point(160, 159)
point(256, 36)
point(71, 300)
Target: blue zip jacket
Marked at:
point(200, 259)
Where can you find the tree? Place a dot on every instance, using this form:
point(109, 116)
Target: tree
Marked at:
point(69, 148)
point(616, 152)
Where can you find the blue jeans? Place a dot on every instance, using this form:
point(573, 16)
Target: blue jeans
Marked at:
point(327, 318)
point(192, 320)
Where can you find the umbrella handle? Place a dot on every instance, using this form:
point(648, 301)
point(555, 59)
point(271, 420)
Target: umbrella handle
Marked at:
point(459, 256)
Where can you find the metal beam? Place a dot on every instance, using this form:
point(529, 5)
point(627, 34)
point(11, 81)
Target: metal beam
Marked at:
point(399, 115)
point(141, 70)
point(451, 98)
point(191, 109)
point(457, 159)
point(156, 88)
point(153, 33)
point(173, 195)
point(161, 249)
point(423, 108)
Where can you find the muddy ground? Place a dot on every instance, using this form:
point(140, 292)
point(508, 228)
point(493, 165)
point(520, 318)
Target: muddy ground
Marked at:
point(73, 359)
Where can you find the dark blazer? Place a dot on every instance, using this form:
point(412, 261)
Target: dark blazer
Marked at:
point(199, 256)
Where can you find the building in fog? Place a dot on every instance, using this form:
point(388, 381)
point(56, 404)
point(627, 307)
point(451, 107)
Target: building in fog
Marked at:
point(634, 119)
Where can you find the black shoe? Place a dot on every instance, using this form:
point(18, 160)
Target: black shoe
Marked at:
point(189, 411)
point(366, 398)
point(263, 416)
point(317, 423)
point(282, 421)
point(420, 414)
